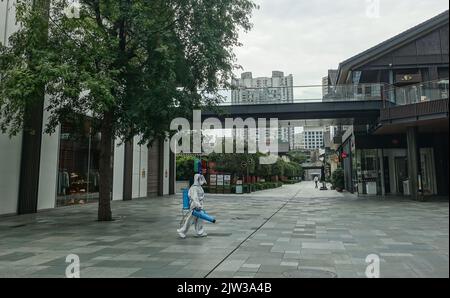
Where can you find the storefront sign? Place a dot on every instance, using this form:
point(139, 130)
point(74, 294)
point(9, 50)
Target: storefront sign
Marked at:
point(219, 180)
point(408, 78)
point(213, 180)
point(227, 180)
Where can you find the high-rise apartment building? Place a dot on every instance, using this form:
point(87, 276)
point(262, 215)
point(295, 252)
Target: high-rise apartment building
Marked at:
point(278, 88)
point(313, 137)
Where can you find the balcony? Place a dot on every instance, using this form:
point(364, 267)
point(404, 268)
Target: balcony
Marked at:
point(419, 93)
point(355, 92)
point(425, 101)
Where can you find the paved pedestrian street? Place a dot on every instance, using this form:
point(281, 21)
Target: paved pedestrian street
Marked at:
point(293, 231)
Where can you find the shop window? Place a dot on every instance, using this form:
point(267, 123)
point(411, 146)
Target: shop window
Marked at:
point(368, 175)
point(78, 169)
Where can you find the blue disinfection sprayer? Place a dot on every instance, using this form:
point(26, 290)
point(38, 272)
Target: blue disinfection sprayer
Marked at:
point(186, 205)
point(203, 215)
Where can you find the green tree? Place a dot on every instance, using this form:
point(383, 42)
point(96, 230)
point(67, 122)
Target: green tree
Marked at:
point(278, 169)
point(337, 178)
point(185, 167)
point(134, 65)
point(233, 163)
point(297, 157)
point(264, 170)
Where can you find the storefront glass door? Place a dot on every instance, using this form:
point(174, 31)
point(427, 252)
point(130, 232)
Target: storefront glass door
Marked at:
point(401, 171)
point(78, 169)
point(368, 168)
point(427, 171)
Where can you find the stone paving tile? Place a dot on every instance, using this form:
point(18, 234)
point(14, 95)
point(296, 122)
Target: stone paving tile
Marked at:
point(15, 256)
point(106, 272)
point(244, 274)
point(316, 230)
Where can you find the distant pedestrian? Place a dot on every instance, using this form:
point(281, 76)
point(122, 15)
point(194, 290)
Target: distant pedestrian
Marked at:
point(316, 181)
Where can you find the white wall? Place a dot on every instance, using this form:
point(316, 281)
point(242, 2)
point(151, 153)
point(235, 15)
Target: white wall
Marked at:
point(166, 172)
point(119, 157)
point(7, 19)
point(2, 20)
point(140, 160)
point(143, 172)
point(10, 152)
point(48, 172)
point(10, 149)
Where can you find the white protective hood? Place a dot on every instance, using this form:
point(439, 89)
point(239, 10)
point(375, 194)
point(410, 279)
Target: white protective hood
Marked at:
point(199, 180)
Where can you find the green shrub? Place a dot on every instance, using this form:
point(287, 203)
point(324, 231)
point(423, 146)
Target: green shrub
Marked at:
point(289, 182)
point(273, 185)
point(337, 179)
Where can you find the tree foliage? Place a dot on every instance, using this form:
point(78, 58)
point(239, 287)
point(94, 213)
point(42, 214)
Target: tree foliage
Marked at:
point(337, 178)
point(133, 65)
point(297, 157)
point(143, 61)
point(185, 167)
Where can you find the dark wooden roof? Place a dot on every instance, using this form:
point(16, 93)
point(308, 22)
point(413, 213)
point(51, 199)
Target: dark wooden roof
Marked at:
point(391, 44)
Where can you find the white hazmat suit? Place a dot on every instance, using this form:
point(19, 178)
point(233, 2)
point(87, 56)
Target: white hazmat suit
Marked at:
point(196, 197)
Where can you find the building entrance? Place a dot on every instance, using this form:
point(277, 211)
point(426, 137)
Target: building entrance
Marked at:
point(401, 170)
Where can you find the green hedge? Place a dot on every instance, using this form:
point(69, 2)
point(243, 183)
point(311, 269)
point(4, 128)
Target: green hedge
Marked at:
point(291, 181)
point(255, 187)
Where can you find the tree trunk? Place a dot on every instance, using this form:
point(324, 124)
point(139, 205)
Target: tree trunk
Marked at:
point(104, 202)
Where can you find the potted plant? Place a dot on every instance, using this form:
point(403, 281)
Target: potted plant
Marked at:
point(337, 179)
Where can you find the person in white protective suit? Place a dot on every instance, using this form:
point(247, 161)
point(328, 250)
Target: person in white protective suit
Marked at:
point(196, 197)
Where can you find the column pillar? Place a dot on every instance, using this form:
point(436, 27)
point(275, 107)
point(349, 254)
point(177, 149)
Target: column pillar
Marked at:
point(413, 161)
point(380, 158)
point(172, 169)
point(161, 167)
point(31, 156)
point(32, 130)
point(128, 171)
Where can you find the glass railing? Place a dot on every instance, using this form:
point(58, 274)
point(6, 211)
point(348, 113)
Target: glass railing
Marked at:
point(297, 94)
point(427, 91)
point(356, 92)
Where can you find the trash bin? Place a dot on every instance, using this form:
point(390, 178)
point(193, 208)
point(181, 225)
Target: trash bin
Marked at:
point(239, 188)
point(371, 188)
point(406, 188)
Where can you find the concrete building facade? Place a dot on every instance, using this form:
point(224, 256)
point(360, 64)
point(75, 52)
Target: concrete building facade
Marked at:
point(313, 137)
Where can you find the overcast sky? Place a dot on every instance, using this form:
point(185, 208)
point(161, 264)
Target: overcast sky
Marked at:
point(307, 37)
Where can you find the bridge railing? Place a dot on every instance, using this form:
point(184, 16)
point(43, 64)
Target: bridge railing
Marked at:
point(423, 92)
point(294, 94)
